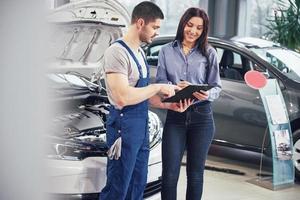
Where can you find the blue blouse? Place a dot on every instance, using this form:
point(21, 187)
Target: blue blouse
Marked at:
point(174, 66)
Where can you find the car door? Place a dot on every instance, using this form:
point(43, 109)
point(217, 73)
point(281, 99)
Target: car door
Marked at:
point(239, 114)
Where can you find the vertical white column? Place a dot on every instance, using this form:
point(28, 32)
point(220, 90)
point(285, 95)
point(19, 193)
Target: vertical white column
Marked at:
point(204, 4)
point(221, 18)
point(244, 17)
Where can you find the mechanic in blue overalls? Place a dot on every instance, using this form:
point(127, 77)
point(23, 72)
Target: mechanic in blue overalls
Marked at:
point(127, 76)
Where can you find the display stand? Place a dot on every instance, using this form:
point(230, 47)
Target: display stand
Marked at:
point(280, 136)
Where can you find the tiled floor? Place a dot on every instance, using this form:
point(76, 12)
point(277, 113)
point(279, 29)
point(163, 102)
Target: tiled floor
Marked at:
point(225, 186)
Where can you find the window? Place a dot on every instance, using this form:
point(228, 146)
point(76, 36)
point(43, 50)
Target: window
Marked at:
point(153, 51)
point(232, 65)
point(152, 54)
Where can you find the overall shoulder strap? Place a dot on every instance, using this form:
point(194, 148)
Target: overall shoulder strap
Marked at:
point(132, 55)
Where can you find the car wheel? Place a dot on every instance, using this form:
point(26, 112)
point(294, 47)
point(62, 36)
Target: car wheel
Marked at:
point(296, 153)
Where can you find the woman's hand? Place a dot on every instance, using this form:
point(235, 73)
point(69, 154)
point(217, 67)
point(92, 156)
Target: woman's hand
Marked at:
point(181, 106)
point(183, 84)
point(202, 95)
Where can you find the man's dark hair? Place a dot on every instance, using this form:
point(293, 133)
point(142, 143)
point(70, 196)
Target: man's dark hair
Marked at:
point(146, 10)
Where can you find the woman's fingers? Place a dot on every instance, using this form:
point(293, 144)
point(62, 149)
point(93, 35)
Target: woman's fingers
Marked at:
point(185, 105)
point(181, 106)
point(203, 95)
point(183, 84)
point(190, 102)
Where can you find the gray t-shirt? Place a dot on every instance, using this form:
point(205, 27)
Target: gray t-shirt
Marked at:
point(118, 60)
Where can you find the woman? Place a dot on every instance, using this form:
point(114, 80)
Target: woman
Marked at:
point(188, 60)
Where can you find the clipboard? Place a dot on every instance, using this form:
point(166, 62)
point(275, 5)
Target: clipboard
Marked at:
point(187, 92)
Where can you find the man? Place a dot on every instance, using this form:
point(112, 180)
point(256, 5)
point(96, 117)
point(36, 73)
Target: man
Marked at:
point(127, 75)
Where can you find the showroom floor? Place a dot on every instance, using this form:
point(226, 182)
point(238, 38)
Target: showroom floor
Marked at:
point(226, 186)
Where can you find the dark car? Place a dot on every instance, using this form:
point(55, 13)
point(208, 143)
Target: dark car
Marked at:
point(239, 113)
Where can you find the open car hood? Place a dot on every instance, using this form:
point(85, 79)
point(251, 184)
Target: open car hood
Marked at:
point(80, 33)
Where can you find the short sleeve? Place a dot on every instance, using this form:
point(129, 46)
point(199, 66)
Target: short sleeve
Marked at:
point(116, 60)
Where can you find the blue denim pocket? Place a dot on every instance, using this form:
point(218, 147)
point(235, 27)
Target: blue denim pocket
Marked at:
point(203, 109)
point(176, 117)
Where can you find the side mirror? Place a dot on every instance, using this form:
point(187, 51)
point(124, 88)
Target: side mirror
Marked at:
point(266, 74)
point(285, 70)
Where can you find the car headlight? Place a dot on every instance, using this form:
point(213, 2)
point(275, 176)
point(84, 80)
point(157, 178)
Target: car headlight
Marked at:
point(92, 143)
point(75, 149)
point(155, 129)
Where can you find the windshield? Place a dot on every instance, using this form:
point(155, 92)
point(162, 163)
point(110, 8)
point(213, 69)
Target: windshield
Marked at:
point(286, 61)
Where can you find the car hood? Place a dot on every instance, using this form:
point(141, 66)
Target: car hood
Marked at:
point(81, 31)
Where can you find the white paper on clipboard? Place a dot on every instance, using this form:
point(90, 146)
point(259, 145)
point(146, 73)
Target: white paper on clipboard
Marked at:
point(276, 109)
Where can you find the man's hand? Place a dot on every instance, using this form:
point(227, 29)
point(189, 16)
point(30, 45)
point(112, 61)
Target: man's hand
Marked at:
point(181, 106)
point(168, 90)
point(202, 95)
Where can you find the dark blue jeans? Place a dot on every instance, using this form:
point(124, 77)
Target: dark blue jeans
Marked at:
point(192, 130)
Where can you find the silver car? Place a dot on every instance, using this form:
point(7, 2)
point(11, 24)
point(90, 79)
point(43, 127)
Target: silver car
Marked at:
point(76, 158)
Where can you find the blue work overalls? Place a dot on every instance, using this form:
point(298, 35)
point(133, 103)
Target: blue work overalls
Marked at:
point(127, 177)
